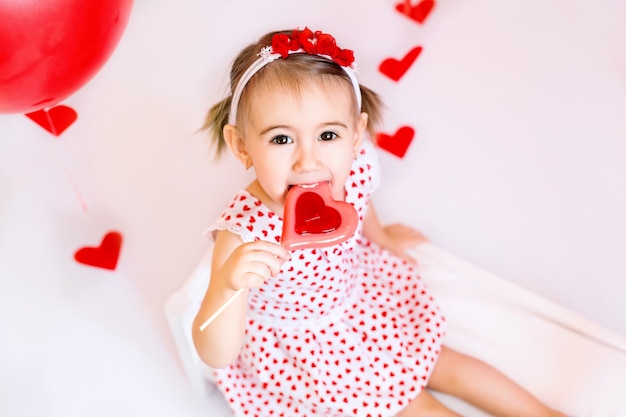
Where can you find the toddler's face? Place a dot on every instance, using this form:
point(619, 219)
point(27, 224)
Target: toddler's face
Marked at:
point(302, 138)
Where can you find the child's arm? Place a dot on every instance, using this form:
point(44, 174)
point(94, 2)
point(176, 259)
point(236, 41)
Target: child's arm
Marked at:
point(235, 265)
point(395, 237)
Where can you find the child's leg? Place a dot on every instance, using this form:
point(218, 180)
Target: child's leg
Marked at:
point(425, 404)
point(481, 385)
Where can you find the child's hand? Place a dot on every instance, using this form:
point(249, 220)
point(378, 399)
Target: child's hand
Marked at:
point(253, 263)
point(399, 238)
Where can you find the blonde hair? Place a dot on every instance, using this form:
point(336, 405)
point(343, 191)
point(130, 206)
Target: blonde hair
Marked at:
point(293, 72)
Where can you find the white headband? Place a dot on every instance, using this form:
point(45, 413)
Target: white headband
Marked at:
point(265, 57)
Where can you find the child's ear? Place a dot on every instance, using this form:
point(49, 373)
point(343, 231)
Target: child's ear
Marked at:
point(361, 128)
point(237, 145)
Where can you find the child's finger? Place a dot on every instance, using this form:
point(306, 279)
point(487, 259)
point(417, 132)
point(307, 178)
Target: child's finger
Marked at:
point(258, 262)
point(272, 248)
point(270, 262)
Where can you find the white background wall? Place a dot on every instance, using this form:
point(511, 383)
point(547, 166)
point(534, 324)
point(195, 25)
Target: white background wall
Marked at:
point(518, 165)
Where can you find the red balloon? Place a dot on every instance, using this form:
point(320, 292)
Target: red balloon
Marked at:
point(51, 48)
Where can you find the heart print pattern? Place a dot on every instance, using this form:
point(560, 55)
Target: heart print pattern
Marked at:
point(345, 330)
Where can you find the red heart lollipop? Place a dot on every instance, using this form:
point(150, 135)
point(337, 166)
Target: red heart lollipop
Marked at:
point(313, 219)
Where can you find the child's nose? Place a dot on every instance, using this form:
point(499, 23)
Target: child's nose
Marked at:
point(307, 161)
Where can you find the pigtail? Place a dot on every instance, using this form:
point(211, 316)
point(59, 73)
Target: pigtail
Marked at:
point(373, 105)
point(214, 122)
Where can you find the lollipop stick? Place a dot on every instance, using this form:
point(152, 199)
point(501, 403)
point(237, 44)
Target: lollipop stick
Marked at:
point(219, 310)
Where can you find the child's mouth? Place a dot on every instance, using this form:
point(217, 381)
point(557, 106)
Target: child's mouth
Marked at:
point(309, 185)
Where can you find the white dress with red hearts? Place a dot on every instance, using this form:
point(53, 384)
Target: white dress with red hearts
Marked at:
point(347, 330)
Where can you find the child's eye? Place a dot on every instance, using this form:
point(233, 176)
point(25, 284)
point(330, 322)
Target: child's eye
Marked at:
point(281, 140)
point(328, 136)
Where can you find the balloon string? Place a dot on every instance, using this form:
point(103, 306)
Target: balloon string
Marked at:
point(68, 172)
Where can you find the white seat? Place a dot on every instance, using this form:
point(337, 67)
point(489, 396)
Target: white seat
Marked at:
point(575, 364)
point(181, 309)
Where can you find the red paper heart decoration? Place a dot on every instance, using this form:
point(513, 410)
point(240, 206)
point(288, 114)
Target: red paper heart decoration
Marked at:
point(395, 69)
point(54, 119)
point(419, 12)
point(104, 256)
point(398, 143)
point(314, 220)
